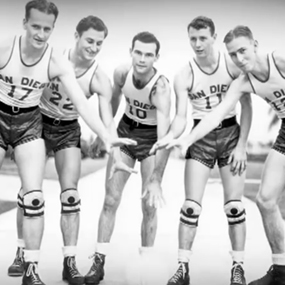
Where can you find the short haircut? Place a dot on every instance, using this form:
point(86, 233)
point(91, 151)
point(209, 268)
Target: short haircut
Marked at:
point(202, 22)
point(238, 31)
point(147, 38)
point(43, 6)
point(91, 22)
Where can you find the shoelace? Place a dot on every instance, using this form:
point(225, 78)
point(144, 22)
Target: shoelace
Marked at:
point(178, 274)
point(18, 261)
point(71, 264)
point(237, 274)
point(32, 272)
point(95, 264)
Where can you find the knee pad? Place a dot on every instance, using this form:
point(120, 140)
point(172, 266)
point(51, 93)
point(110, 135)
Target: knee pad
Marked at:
point(190, 213)
point(20, 199)
point(70, 201)
point(33, 204)
point(235, 212)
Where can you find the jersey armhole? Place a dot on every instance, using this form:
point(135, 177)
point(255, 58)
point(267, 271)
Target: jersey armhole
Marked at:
point(249, 80)
point(192, 71)
point(125, 79)
point(274, 61)
point(228, 70)
point(91, 80)
point(12, 50)
point(48, 69)
point(153, 86)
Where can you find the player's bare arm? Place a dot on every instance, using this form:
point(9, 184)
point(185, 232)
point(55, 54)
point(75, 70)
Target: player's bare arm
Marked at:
point(238, 158)
point(279, 58)
point(237, 89)
point(182, 84)
point(61, 68)
point(6, 47)
point(160, 98)
point(119, 78)
point(101, 85)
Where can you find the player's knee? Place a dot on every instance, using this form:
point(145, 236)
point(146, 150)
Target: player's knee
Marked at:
point(190, 213)
point(33, 204)
point(70, 201)
point(235, 212)
point(265, 203)
point(148, 211)
point(111, 202)
point(20, 198)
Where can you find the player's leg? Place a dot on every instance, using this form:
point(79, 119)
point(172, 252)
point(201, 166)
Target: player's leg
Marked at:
point(272, 185)
point(200, 159)
point(233, 191)
point(195, 179)
point(29, 150)
point(30, 159)
point(68, 165)
point(2, 153)
point(113, 193)
point(234, 209)
point(149, 221)
point(17, 267)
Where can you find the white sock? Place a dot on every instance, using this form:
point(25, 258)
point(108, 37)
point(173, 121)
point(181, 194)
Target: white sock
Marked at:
point(20, 243)
point(278, 258)
point(237, 256)
point(102, 247)
point(32, 255)
point(184, 255)
point(69, 250)
point(145, 250)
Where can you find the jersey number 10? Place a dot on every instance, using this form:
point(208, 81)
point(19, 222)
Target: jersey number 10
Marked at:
point(139, 112)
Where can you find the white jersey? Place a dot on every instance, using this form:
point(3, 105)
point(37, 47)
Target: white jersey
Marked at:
point(271, 90)
point(21, 84)
point(209, 89)
point(55, 102)
point(138, 104)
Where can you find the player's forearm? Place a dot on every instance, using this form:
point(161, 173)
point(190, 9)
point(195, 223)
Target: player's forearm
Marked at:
point(93, 121)
point(161, 158)
point(116, 100)
point(177, 127)
point(113, 131)
point(245, 124)
point(206, 125)
point(112, 128)
point(162, 155)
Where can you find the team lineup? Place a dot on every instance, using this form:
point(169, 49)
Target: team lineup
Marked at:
point(44, 90)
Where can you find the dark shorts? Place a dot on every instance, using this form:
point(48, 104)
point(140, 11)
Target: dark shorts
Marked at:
point(19, 126)
point(60, 134)
point(215, 146)
point(279, 144)
point(145, 136)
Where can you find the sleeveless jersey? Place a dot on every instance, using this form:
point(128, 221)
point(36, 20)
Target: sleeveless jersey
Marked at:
point(22, 85)
point(138, 104)
point(271, 90)
point(55, 102)
point(209, 89)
